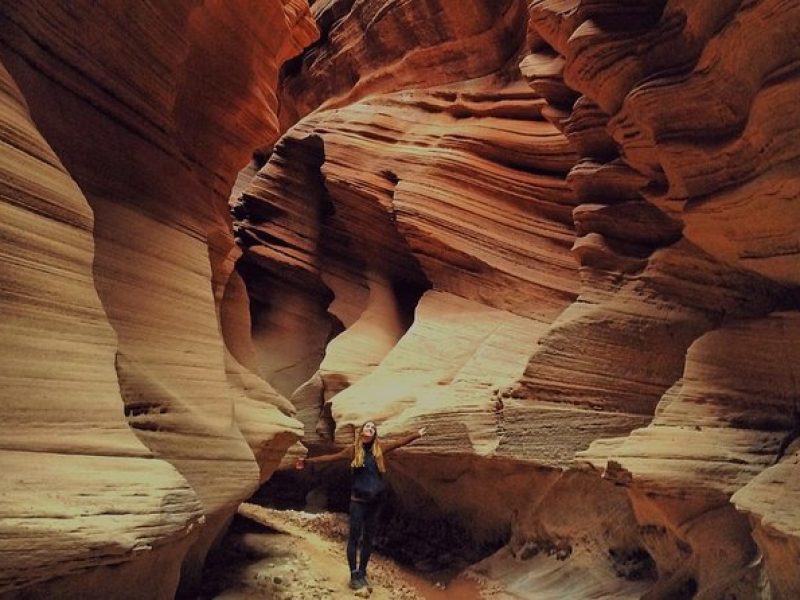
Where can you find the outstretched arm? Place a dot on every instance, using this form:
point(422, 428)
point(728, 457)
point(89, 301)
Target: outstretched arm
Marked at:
point(344, 453)
point(395, 444)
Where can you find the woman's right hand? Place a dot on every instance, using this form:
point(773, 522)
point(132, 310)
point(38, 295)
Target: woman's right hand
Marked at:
point(300, 463)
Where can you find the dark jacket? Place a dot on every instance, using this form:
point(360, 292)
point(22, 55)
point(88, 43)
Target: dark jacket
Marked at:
point(368, 482)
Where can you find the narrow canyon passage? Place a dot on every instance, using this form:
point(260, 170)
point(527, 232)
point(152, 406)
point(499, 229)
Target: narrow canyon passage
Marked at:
point(294, 554)
point(552, 246)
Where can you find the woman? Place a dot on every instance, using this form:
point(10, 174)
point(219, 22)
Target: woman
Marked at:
point(366, 460)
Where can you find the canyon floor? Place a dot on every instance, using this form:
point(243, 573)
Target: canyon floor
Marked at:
point(294, 555)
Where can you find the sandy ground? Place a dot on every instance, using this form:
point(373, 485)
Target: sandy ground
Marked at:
point(292, 555)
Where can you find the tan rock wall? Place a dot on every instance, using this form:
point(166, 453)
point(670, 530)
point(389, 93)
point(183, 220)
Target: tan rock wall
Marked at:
point(603, 206)
point(457, 184)
point(656, 107)
point(118, 259)
point(562, 235)
point(79, 488)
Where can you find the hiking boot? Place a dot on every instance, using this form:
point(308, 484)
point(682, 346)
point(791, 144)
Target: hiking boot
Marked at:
point(356, 581)
point(366, 582)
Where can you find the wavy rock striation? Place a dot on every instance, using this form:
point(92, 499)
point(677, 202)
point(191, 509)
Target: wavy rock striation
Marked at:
point(128, 418)
point(80, 489)
point(387, 189)
point(599, 200)
point(664, 107)
point(560, 233)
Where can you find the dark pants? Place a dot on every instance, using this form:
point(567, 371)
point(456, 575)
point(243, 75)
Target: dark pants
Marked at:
point(363, 522)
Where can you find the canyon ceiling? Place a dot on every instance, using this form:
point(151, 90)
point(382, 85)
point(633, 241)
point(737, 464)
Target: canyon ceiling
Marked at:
point(563, 235)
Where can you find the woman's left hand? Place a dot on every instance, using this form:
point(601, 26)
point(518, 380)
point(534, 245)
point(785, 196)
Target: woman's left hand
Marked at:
point(422, 431)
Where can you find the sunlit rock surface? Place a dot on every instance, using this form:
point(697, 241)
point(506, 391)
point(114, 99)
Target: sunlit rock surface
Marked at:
point(676, 126)
point(446, 178)
point(133, 423)
point(600, 200)
point(79, 488)
point(561, 234)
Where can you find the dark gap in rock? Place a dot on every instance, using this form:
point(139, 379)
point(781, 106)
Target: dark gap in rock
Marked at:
point(408, 295)
point(261, 156)
point(440, 545)
point(390, 176)
point(289, 301)
point(628, 17)
point(633, 564)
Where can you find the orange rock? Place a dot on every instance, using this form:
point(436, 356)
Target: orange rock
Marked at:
point(151, 109)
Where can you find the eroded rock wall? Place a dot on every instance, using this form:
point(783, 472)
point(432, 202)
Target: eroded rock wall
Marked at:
point(436, 170)
point(71, 464)
point(648, 79)
point(134, 419)
point(561, 235)
point(599, 200)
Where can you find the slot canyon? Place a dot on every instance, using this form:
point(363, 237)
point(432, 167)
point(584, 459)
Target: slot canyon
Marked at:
point(560, 237)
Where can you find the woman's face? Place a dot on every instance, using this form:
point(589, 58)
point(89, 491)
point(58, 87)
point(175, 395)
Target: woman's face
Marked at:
point(368, 432)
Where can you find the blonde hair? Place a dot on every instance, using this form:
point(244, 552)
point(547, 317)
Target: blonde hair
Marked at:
point(358, 451)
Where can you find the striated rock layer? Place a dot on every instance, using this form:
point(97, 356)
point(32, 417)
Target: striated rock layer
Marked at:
point(693, 128)
point(79, 487)
point(663, 107)
point(561, 234)
point(134, 415)
point(388, 190)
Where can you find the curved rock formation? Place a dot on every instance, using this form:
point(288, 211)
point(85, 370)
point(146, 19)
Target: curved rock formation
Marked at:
point(643, 135)
point(458, 186)
point(728, 419)
point(127, 420)
point(661, 104)
point(365, 49)
point(71, 465)
point(562, 234)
